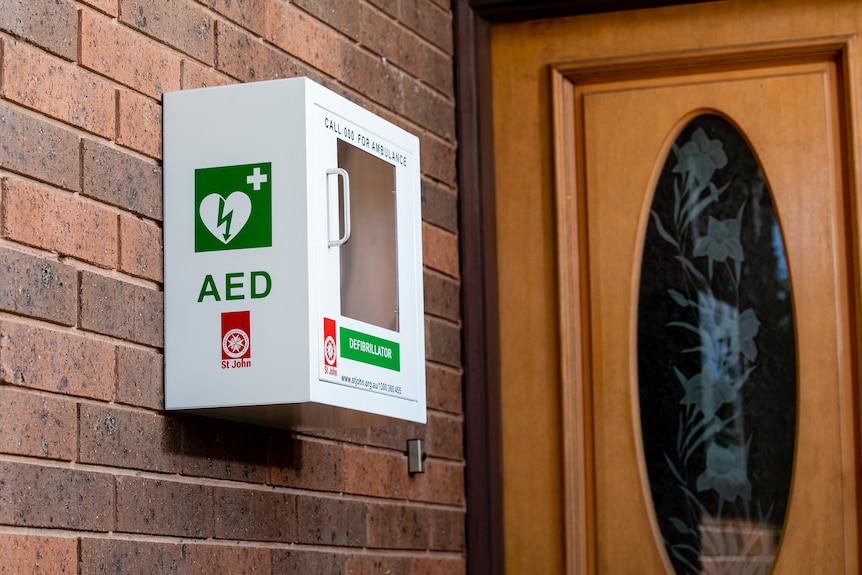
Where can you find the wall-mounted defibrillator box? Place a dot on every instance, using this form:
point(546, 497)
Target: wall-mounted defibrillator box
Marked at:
point(293, 258)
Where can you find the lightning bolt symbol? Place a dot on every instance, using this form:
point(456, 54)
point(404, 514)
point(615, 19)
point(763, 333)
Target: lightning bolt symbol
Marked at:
point(224, 218)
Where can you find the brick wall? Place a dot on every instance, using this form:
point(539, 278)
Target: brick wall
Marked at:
point(94, 476)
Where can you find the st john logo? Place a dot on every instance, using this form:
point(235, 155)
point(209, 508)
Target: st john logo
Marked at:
point(330, 347)
point(233, 207)
point(236, 339)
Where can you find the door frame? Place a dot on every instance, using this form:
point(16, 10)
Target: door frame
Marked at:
point(483, 436)
point(481, 385)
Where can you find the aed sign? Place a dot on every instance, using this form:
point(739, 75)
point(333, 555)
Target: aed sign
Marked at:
point(233, 207)
point(293, 270)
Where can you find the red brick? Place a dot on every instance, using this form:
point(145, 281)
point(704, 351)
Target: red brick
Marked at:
point(56, 361)
point(445, 437)
point(442, 482)
point(308, 464)
point(121, 179)
point(436, 68)
point(391, 565)
point(398, 526)
point(120, 309)
point(36, 496)
point(438, 566)
point(139, 123)
point(249, 60)
point(51, 24)
point(446, 530)
point(303, 562)
point(439, 206)
point(355, 435)
point(339, 14)
point(393, 115)
point(214, 448)
point(442, 342)
point(127, 56)
point(438, 159)
point(440, 250)
point(57, 88)
point(27, 554)
point(59, 222)
point(376, 473)
point(140, 377)
point(388, 39)
point(428, 109)
point(37, 425)
point(249, 14)
point(331, 521)
point(388, 6)
point(370, 75)
point(203, 559)
point(254, 515)
point(195, 75)
point(428, 21)
point(183, 25)
point(443, 389)
point(444, 4)
point(131, 439)
point(38, 287)
point(302, 36)
point(140, 248)
point(103, 556)
point(36, 148)
point(109, 7)
point(442, 295)
point(395, 437)
point(163, 507)
point(401, 565)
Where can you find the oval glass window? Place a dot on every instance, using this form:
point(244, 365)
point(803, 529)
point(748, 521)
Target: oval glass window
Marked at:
point(716, 356)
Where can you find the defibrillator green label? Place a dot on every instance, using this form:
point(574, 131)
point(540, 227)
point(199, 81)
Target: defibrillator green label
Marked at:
point(233, 207)
point(370, 349)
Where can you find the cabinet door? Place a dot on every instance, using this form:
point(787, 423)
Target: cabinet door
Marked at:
point(366, 250)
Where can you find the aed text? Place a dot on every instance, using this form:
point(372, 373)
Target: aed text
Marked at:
point(237, 286)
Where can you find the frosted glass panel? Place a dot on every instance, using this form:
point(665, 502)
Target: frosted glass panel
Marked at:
point(369, 265)
point(716, 356)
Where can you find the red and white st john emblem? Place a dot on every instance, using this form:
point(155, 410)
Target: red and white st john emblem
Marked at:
point(330, 347)
point(236, 335)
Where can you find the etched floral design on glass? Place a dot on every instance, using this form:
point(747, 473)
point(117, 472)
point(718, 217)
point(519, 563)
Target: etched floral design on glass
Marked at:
point(716, 356)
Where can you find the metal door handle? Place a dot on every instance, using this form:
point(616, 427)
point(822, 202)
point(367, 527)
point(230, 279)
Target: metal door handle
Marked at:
point(346, 180)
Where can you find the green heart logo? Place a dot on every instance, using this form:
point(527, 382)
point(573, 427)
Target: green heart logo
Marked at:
point(233, 207)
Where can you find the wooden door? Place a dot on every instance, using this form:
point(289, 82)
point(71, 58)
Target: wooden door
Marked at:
point(586, 111)
point(788, 113)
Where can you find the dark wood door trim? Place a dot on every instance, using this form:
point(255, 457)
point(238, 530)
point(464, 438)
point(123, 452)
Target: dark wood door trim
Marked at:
point(511, 10)
point(482, 433)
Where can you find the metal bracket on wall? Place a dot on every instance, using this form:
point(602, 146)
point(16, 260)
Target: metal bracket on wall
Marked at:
point(415, 456)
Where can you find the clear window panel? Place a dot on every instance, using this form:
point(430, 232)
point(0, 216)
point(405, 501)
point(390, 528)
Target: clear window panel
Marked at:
point(369, 260)
point(716, 356)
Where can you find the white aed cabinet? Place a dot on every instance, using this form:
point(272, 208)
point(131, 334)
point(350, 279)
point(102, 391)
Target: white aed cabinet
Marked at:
point(293, 258)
